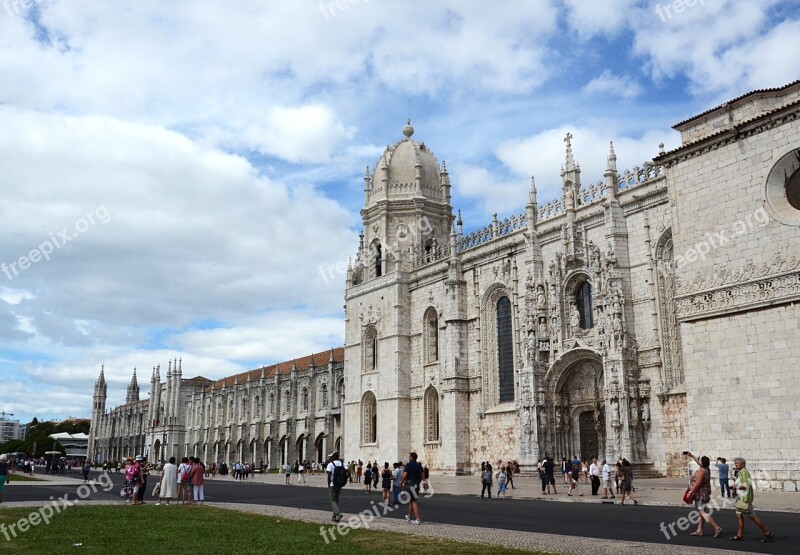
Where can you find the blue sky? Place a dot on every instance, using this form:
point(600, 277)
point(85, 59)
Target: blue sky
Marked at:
point(206, 159)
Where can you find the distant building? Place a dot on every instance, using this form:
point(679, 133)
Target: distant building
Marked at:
point(75, 445)
point(275, 414)
point(11, 430)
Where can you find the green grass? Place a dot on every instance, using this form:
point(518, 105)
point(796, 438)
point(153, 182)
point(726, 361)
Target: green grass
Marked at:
point(23, 478)
point(200, 530)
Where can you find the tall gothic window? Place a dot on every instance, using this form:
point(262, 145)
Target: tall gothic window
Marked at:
point(670, 328)
point(272, 403)
point(371, 350)
point(431, 415)
point(257, 407)
point(431, 336)
point(243, 415)
point(583, 302)
point(505, 350)
point(324, 395)
point(378, 260)
point(286, 399)
point(305, 398)
point(369, 418)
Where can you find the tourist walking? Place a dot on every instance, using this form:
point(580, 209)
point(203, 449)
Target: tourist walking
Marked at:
point(386, 483)
point(502, 477)
point(575, 479)
point(744, 502)
point(723, 469)
point(301, 473)
point(594, 476)
point(376, 475)
point(486, 479)
point(196, 477)
point(169, 483)
point(287, 470)
point(412, 477)
point(337, 479)
point(359, 471)
point(608, 487)
point(397, 476)
point(184, 486)
point(145, 473)
point(87, 466)
point(4, 466)
point(510, 475)
point(625, 482)
point(700, 491)
point(368, 478)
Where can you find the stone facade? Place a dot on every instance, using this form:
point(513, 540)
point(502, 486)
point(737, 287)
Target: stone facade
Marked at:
point(586, 325)
point(271, 415)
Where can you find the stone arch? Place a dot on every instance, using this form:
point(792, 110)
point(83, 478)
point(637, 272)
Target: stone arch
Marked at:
point(319, 448)
point(575, 405)
point(489, 344)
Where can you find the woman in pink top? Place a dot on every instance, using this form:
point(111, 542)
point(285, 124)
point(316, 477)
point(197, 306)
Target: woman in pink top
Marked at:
point(197, 480)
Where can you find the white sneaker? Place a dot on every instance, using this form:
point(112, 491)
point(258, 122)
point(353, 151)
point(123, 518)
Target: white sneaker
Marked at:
point(408, 519)
point(415, 522)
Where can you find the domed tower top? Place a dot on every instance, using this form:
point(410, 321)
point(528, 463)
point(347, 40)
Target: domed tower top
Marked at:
point(407, 170)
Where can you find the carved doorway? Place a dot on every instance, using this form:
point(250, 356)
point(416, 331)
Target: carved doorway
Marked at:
point(590, 448)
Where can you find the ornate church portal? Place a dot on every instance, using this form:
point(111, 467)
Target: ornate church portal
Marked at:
point(578, 406)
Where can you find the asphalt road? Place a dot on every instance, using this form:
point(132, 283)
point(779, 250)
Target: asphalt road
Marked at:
point(590, 520)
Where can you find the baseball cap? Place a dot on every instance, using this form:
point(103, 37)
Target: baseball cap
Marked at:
point(138, 457)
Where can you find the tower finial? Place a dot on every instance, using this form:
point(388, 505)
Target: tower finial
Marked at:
point(408, 130)
point(612, 158)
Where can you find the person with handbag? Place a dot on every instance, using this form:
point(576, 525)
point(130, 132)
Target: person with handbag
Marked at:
point(700, 491)
point(744, 502)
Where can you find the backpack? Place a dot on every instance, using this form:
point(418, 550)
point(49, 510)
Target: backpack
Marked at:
point(184, 473)
point(340, 475)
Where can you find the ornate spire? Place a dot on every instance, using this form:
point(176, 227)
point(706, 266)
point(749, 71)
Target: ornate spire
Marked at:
point(570, 160)
point(532, 192)
point(612, 159)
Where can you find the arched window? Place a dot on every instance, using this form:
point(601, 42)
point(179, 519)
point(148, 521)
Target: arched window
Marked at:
point(431, 336)
point(243, 414)
point(371, 350)
point(369, 418)
point(431, 415)
point(324, 395)
point(505, 351)
point(305, 398)
point(272, 403)
point(286, 399)
point(257, 407)
point(340, 393)
point(378, 260)
point(583, 302)
point(671, 351)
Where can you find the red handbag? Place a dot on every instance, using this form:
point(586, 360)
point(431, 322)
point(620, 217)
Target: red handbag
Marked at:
point(688, 496)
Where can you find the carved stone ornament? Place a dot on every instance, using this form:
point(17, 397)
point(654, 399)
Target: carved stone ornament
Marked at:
point(369, 315)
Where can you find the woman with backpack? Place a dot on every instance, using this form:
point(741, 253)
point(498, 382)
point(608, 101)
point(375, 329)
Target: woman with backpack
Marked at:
point(368, 478)
point(184, 487)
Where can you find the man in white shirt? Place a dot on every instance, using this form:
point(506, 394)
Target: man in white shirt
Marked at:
point(301, 473)
point(608, 487)
point(594, 476)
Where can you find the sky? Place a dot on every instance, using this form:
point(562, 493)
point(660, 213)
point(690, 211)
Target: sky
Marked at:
point(181, 179)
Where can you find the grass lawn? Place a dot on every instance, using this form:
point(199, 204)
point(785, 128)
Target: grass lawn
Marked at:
point(122, 529)
point(16, 477)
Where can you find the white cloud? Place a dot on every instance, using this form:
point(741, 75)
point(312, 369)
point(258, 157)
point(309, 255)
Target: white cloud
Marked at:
point(609, 83)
